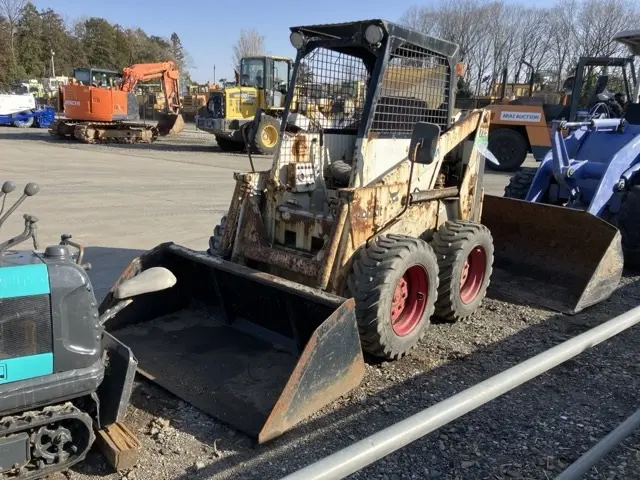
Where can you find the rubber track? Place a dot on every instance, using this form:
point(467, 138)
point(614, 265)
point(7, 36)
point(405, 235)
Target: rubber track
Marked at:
point(448, 244)
point(30, 422)
point(368, 283)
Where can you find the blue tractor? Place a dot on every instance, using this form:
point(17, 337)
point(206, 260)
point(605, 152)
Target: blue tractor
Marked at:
point(574, 221)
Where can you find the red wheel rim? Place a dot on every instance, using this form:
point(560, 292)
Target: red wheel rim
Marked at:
point(472, 275)
point(409, 300)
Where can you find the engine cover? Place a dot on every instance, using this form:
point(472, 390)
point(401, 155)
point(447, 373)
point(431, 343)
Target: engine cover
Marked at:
point(48, 316)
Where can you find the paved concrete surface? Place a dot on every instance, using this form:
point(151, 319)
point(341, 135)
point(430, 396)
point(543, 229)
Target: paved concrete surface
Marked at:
point(120, 200)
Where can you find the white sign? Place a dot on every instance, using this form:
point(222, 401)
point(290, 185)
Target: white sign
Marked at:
point(532, 117)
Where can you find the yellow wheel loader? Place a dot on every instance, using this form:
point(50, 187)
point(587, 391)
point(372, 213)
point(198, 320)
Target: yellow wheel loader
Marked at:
point(261, 85)
point(367, 226)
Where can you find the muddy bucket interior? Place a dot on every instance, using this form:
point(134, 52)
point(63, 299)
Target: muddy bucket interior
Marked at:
point(258, 352)
point(170, 124)
point(555, 257)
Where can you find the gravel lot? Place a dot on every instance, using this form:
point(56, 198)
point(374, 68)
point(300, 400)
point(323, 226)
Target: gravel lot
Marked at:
point(533, 432)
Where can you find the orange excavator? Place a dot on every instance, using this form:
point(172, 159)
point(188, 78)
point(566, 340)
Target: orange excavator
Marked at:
point(100, 106)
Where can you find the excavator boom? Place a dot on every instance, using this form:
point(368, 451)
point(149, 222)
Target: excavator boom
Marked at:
point(148, 71)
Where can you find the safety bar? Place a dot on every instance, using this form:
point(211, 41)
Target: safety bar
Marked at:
point(376, 446)
point(580, 467)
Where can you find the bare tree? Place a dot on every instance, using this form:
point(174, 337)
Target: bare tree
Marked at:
point(502, 35)
point(598, 20)
point(11, 11)
point(422, 19)
point(494, 34)
point(561, 32)
point(249, 43)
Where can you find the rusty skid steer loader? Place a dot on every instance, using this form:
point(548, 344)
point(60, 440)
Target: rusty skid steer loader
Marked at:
point(366, 226)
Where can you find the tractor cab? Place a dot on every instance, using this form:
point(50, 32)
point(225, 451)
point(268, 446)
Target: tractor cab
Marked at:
point(603, 86)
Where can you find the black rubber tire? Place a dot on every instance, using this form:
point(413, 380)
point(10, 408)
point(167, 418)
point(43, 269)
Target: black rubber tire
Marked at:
point(227, 145)
point(520, 183)
point(372, 283)
point(340, 172)
point(452, 243)
point(260, 146)
point(509, 147)
point(628, 222)
point(215, 239)
point(23, 124)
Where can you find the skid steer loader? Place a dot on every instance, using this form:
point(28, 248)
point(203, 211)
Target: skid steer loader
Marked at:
point(366, 226)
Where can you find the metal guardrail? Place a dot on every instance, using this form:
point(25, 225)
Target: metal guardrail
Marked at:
point(376, 446)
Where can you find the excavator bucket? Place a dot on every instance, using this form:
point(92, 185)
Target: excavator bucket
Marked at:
point(555, 257)
point(170, 124)
point(258, 352)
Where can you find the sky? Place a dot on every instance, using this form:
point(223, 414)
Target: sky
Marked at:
point(209, 29)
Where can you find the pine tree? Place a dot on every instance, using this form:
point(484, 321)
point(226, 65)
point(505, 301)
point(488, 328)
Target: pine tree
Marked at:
point(177, 51)
point(31, 51)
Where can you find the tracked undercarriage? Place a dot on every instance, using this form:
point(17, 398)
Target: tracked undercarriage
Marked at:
point(49, 440)
point(104, 132)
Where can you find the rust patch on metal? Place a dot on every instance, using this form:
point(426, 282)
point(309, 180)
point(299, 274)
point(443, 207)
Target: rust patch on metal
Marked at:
point(332, 247)
point(281, 258)
point(372, 208)
point(300, 148)
point(319, 379)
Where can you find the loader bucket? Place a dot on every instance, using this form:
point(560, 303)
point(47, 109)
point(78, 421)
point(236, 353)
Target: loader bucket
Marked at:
point(170, 124)
point(258, 352)
point(555, 257)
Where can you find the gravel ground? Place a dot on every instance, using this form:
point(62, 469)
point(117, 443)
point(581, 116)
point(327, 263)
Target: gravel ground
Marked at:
point(533, 432)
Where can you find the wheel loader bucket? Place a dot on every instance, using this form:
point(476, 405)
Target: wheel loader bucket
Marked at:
point(170, 124)
point(258, 352)
point(555, 257)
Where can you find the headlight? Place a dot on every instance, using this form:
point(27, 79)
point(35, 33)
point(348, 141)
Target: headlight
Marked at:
point(297, 40)
point(373, 34)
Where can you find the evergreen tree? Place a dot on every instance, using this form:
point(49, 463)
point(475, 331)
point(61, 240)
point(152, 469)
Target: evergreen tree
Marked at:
point(30, 47)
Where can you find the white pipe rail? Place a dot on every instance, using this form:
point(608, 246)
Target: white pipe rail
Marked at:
point(580, 467)
point(380, 444)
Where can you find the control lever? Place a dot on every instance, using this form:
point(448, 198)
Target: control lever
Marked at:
point(30, 231)
point(7, 187)
point(65, 239)
point(29, 191)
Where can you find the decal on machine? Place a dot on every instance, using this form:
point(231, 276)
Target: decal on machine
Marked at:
point(533, 117)
point(245, 97)
point(72, 103)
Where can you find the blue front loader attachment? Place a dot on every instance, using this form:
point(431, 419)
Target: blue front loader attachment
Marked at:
point(557, 244)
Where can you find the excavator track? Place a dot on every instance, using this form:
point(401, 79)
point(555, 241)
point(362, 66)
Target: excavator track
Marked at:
point(56, 438)
point(108, 132)
point(104, 132)
point(62, 129)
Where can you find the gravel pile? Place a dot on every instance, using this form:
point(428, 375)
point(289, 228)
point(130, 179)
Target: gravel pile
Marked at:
point(533, 432)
